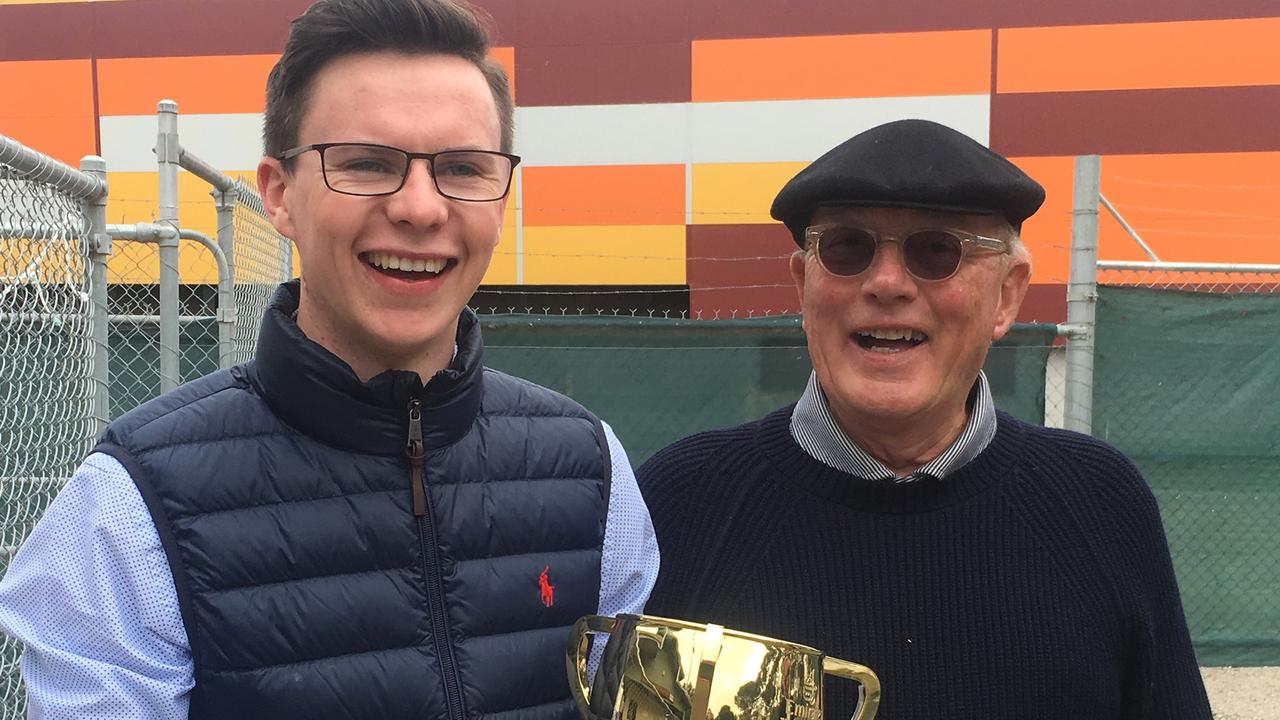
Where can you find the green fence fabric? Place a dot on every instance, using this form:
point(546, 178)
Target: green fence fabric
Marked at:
point(653, 380)
point(657, 380)
point(1186, 385)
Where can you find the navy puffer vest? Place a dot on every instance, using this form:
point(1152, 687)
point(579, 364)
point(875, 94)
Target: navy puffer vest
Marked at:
point(314, 584)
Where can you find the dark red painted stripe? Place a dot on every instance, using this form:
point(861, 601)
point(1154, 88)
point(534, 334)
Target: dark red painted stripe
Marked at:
point(158, 28)
point(1045, 303)
point(589, 22)
point(603, 74)
point(773, 18)
point(46, 32)
point(133, 28)
point(719, 279)
point(1185, 120)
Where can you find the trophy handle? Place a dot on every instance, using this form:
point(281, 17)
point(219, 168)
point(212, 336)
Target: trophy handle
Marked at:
point(868, 684)
point(576, 658)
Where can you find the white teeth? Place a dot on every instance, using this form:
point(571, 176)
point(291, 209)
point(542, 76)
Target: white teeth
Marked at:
point(387, 261)
point(892, 334)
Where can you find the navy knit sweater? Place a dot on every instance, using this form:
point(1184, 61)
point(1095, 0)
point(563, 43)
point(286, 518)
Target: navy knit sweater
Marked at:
point(1033, 583)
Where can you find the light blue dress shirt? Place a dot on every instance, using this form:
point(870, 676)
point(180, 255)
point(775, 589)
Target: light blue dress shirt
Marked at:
point(91, 596)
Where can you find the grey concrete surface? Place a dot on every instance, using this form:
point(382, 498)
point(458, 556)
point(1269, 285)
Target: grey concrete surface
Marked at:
point(1243, 693)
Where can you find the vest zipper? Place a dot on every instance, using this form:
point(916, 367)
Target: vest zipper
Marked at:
point(416, 452)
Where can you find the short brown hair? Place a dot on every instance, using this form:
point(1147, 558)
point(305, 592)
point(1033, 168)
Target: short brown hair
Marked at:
point(331, 29)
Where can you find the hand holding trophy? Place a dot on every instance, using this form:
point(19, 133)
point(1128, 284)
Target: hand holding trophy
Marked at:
point(659, 669)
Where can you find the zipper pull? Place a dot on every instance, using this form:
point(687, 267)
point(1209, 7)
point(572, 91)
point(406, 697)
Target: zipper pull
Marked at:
point(415, 451)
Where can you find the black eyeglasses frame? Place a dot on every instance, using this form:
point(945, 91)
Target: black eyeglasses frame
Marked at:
point(411, 156)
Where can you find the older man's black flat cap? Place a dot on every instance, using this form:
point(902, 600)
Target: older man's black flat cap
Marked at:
point(909, 164)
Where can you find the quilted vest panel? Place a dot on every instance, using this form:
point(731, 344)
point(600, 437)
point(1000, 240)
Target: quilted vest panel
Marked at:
point(308, 587)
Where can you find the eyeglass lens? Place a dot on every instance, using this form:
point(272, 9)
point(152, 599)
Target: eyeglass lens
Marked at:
point(371, 170)
point(927, 254)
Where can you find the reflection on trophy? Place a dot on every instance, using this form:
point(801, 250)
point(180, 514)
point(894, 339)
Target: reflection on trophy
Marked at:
point(658, 669)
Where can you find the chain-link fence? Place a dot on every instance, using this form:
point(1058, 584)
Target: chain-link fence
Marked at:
point(1186, 370)
point(657, 380)
point(83, 339)
point(47, 351)
point(171, 320)
point(135, 341)
point(261, 259)
point(1183, 362)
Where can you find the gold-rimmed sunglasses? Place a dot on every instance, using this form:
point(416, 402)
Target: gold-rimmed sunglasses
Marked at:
point(929, 254)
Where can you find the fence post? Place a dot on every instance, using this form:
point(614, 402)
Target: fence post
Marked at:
point(1082, 294)
point(228, 314)
point(167, 155)
point(95, 211)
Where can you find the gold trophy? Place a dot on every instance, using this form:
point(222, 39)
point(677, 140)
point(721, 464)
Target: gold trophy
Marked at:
point(653, 668)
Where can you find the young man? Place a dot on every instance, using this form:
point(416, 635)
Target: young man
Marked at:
point(983, 567)
point(362, 522)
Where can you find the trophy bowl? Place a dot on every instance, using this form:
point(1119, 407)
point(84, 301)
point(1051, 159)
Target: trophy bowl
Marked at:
point(656, 668)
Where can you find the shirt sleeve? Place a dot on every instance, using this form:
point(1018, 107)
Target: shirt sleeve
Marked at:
point(91, 597)
point(629, 559)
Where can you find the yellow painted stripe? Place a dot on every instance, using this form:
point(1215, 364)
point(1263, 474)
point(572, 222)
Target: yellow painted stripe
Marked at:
point(605, 255)
point(731, 193)
point(134, 197)
point(502, 268)
point(1208, 53)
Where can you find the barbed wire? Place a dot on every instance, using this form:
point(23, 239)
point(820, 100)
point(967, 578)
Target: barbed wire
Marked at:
point(1205, 233)
point(1190, 186)
point(1195, 213)
point(651, 314)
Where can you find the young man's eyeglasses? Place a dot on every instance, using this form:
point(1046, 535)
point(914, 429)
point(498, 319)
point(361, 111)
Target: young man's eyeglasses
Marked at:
point(368, 169)
point(929, 254)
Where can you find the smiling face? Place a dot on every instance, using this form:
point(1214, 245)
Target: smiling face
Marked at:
point(384, 278)
point(892, 352)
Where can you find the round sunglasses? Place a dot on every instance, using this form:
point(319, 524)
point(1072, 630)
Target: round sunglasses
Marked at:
point(929, 254)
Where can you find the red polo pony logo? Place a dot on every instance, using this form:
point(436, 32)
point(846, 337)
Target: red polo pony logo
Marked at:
point(545, 589)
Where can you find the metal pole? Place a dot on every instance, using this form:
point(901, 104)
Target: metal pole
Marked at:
point(286, 259)
point(1082, 294)
point(167, 156)
point(95, 211)
point(225, 201)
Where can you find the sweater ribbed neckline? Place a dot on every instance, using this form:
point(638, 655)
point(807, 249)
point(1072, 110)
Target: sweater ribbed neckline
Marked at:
point(997, 464)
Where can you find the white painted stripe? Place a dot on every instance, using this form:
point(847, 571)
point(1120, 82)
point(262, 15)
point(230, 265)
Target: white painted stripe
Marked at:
point(650, 134)
point(758, 131)
point(801, 130)
point(228, 142)
point(591, 135)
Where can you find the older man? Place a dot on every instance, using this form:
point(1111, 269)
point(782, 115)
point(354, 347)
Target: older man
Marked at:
point(984, 567)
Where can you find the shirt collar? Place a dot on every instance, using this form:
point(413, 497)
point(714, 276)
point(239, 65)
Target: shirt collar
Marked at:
point(816, 431)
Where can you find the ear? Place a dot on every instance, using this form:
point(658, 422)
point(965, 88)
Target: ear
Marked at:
point(1013, 288)
point(797, 267)
point(273, 181)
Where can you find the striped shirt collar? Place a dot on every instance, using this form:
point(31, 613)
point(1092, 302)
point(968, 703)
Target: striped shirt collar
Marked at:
point(816, 431)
